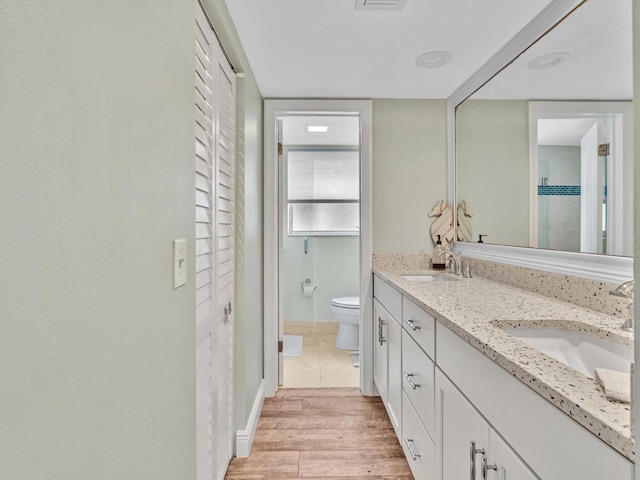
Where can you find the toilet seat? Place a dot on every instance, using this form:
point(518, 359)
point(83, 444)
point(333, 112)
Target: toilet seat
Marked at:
point(351, 303)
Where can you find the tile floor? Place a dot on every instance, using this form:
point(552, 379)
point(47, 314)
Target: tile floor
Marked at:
point(321, 363)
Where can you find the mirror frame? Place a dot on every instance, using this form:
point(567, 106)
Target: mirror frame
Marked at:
point(602, 268)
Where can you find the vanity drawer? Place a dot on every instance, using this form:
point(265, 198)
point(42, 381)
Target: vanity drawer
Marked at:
point(388, 296)
point(417, 444)
point(418, 368)
point(420, 325)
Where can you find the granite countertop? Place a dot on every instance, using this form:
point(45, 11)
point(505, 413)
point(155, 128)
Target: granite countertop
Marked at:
point(473, 308)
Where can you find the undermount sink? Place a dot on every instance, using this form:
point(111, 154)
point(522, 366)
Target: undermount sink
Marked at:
point(428, 278)
point(578, 350)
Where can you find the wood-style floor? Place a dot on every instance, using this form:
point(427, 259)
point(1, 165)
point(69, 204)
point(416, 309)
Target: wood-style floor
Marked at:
point(323, 434)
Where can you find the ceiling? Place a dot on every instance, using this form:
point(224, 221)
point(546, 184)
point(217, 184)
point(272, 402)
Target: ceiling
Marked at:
point(598, 38)
point(563, 131)
point(330, 49)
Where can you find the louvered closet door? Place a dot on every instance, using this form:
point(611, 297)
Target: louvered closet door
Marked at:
point(225, 108)
point(214, 255)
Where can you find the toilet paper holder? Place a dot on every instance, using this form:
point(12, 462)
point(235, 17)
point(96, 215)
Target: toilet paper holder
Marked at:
point(307, 282)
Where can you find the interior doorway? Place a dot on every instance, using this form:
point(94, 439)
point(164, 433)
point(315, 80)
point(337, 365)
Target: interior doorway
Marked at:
point(319, 156)
point(317, 242)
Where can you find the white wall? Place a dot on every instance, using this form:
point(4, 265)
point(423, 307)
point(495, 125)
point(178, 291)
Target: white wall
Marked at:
point(409, 172)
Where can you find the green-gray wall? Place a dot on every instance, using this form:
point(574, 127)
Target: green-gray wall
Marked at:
point(492, 168)
point(97, 364)
point(409, 172)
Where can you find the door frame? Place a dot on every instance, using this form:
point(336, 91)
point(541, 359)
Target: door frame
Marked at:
point(272, 245)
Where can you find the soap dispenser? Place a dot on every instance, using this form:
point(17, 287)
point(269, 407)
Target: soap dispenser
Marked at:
point(438, 256)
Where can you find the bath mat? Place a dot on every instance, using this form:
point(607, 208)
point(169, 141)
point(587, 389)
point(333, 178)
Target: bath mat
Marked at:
point(292, 345)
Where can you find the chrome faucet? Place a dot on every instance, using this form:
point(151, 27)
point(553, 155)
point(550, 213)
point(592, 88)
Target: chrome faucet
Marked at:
point(456, 266)
point(625, 290)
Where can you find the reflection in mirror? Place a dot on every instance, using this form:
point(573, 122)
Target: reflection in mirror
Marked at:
point(557, 173)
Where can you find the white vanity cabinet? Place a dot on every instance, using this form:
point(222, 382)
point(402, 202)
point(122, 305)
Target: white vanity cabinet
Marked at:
point(470, 448)
point(442, 394)
point(549, 444)
point(387, 372)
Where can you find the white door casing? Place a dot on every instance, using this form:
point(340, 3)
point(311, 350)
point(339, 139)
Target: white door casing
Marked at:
point(215, 199)
point(273, 109)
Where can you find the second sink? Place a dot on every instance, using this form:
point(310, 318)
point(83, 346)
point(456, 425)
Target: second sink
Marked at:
point(579, 350)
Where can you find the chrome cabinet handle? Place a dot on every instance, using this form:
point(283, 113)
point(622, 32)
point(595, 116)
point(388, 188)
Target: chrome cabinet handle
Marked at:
point(410, 380)
point(486, 466)
point(473, 451)
point(411, 324)
point(381, 335)
point(409, 442)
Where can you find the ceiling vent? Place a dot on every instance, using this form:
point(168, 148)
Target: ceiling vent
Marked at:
point(379, 4)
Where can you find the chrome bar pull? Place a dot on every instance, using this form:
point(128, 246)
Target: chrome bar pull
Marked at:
point(409, 378)
point(409, 442)
point(306, 245)
point(411, 324)
point(473, 451)
point(381, 338)
point(487, 466)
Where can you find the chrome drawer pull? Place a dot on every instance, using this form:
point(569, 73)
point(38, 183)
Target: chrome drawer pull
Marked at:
point(486, 467)
point(473, 451)
point(411, 324)
point(410, 380)
point(409, 442)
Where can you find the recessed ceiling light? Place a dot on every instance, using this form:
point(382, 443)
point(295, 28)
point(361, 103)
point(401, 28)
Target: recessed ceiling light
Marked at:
point(433, 59)
point(549, 60)
point(317, 128)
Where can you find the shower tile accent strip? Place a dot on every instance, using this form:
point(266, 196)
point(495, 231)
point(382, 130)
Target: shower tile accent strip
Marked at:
point(564, 190)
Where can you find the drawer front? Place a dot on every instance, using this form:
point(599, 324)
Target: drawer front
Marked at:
point(388, 296)
point(417, 444)
point(420, 325)
point(417, 368)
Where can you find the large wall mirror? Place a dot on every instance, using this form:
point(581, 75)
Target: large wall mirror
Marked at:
point(544, 149)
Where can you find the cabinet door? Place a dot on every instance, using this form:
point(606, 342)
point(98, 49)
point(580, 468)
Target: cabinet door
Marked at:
point(458, 424)
point(508, 464)
point(381, 320)
point(394, 383)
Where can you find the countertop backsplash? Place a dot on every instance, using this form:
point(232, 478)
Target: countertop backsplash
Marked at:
point(576, 291)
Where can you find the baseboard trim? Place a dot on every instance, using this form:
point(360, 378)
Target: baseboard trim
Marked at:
point(244, 438)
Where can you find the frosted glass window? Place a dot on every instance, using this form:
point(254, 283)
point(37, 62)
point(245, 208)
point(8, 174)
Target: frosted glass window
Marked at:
point(323, 192)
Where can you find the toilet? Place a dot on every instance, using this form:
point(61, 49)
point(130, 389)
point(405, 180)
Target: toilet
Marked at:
point(346, 310)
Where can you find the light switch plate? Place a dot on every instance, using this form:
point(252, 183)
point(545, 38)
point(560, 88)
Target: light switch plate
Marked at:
point(179, 263)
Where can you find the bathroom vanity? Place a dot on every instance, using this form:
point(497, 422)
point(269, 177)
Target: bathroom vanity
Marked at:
point(468, 400)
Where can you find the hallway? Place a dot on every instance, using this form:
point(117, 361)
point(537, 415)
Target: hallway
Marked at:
point(323, 433)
